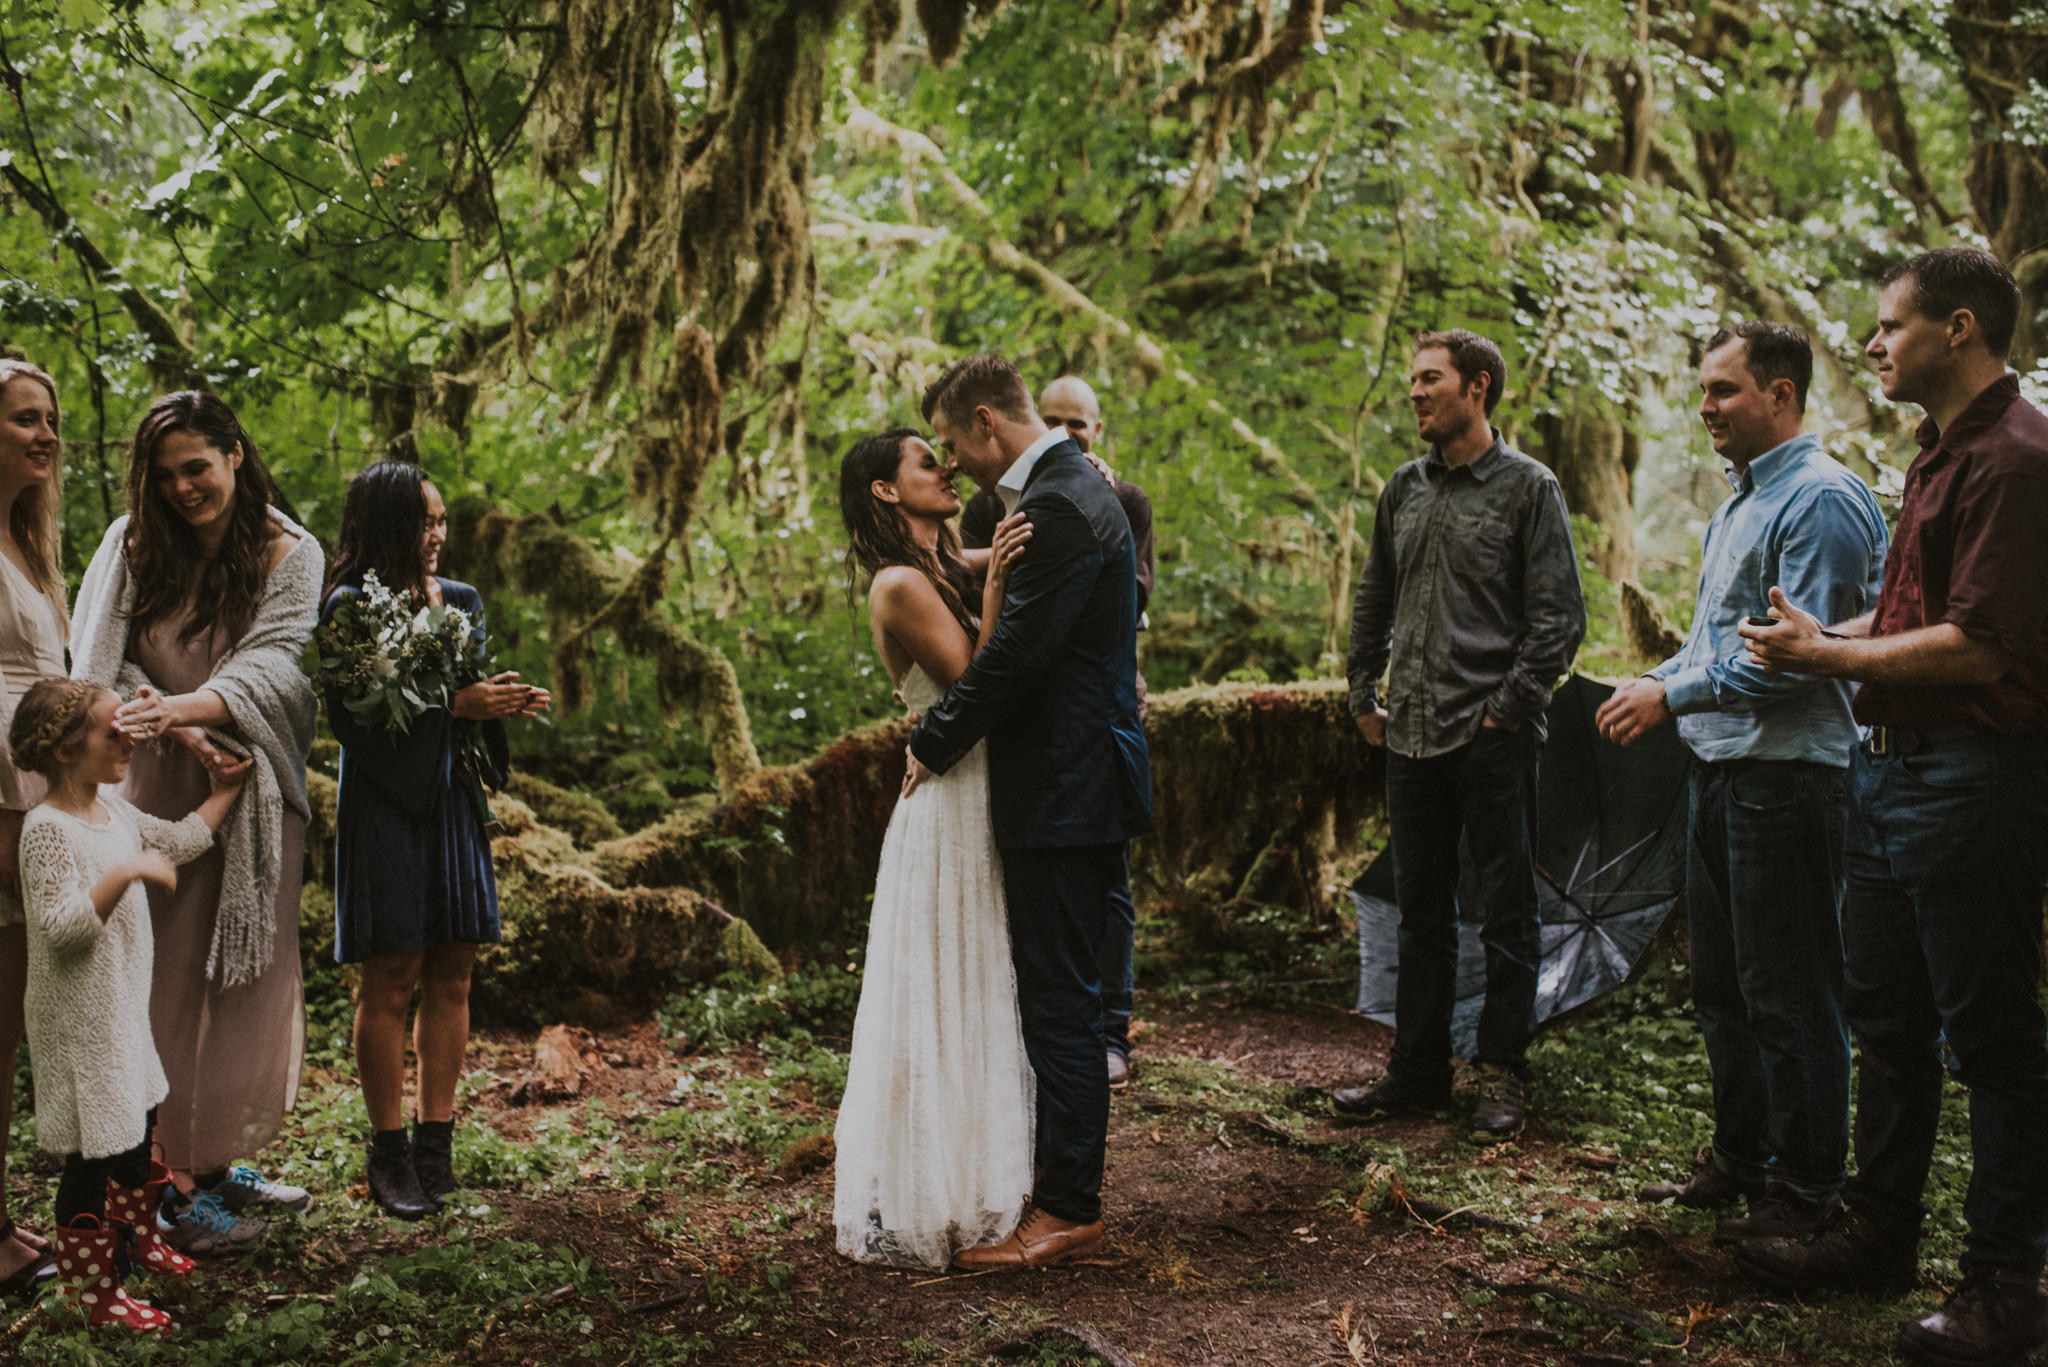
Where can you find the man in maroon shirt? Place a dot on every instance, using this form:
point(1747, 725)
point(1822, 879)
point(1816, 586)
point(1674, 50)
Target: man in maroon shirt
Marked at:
point(1948, 833)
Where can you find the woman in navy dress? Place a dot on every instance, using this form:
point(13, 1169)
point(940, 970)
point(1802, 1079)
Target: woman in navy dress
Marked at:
point(413, 890)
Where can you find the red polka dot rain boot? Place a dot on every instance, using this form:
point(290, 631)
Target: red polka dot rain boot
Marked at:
point(90, 1283)
point(137, 1206)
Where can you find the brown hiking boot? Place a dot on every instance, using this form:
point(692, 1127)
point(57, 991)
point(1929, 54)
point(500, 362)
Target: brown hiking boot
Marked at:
point(1996, 1316)
point(1778, 1214)
point(1503, 1105)
point(1390, 1096)
point(1040, 1240)
point(1710, 1185)
point(1848, 1250)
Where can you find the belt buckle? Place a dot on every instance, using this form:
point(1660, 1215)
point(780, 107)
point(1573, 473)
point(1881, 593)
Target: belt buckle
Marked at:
point(1880, 743)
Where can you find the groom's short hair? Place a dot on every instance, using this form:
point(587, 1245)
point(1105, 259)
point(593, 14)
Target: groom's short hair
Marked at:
point(983, 379)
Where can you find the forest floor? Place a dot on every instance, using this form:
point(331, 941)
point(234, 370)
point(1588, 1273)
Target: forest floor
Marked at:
point(677, 1209)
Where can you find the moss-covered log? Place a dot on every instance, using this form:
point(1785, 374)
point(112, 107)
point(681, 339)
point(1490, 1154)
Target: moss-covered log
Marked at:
point(795, 849)
point(575, 947)
point(1256, 791)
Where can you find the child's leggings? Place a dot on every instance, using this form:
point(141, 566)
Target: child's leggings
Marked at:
point(82, 1190)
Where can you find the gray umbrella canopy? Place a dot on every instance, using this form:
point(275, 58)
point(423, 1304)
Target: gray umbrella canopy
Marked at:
point(1610, 856)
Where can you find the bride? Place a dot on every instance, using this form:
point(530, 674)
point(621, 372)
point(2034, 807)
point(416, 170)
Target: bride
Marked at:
point(935, 1131)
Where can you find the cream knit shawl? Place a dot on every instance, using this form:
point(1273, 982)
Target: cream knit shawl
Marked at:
point(273, 711)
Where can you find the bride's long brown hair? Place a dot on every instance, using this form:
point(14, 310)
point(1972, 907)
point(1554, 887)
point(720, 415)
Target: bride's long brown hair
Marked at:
point(878, 533)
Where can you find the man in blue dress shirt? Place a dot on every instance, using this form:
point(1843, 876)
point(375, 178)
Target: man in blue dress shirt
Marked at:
point(1770, 753)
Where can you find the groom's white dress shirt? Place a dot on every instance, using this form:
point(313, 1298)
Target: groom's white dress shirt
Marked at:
point(1010, 488)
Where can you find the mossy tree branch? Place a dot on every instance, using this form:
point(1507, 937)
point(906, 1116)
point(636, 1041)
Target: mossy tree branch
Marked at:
point(986, 239)
point(540, 557)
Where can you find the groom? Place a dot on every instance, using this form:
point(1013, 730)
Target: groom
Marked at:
point(1054, 692)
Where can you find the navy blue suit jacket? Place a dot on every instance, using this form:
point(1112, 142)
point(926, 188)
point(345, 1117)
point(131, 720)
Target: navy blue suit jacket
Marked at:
point(1055, 690)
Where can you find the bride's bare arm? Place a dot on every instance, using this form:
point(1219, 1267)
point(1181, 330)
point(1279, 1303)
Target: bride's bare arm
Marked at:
point(907, 609)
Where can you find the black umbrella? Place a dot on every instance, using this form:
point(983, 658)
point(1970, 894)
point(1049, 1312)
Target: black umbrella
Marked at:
point(1610, 864)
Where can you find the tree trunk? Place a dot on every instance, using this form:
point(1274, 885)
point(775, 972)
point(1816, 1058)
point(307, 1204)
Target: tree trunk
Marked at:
point(1594, 457)
point(2005, 60)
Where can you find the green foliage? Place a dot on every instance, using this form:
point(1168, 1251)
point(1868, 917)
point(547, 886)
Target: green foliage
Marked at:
point(359, 223)
point(818, 998)
point(437, 1299)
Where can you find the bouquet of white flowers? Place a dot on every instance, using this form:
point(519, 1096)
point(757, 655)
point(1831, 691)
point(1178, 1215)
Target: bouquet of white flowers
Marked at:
point(390, 659)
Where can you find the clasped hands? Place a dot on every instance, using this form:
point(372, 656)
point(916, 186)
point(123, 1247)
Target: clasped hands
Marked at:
point(150, 715)
point(1789, 644)
point(501, 695)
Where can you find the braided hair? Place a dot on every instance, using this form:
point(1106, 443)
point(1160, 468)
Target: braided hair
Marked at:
point(53, 714)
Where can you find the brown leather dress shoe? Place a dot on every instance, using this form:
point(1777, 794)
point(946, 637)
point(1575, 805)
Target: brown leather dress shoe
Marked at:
point(1040, 1240)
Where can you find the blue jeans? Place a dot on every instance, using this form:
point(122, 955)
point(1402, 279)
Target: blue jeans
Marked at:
point(1764, 898)
point(1945, 861)
point(1485, 791)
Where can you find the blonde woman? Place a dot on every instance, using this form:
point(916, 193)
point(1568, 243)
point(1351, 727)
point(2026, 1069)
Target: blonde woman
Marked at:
point(33, 628)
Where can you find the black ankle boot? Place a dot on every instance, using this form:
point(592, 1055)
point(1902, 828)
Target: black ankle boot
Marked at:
point(432, 1142)
point(393, 1183)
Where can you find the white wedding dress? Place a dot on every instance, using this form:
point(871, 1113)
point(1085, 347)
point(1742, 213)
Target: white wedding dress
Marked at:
point(935, 1132)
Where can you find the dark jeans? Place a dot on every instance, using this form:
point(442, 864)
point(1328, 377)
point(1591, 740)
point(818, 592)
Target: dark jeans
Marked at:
point(1486, 791)
point(1764, 878)
point(1061, 929)
point(1945, 861)
point(1119, 983)
point(82, 1187)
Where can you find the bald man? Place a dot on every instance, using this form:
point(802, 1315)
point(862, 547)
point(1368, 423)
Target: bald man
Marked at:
point(1069, 402)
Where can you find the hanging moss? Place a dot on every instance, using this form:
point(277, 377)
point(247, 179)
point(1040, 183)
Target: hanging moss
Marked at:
point(1649, 636)
point(880, 23)
point(680, 432)
point(539, 557)
point(945, 24)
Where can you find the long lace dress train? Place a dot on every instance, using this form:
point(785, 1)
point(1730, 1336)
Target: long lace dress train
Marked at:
point(935, 1132)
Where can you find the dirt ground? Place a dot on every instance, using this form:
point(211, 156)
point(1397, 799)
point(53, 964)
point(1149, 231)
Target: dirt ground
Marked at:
point(1245, 1226)
point(1237, 1244)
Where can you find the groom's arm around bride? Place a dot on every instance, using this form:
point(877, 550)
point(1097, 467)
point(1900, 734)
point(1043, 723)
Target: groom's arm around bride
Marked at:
point(1054, 693)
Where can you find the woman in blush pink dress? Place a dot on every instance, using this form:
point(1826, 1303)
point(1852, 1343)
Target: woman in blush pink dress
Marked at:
point(196, 609)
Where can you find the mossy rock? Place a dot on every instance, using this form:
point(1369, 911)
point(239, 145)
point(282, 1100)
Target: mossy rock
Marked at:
point(586, 819)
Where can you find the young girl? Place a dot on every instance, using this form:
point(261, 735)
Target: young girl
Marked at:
point(413, 888)
point(84, 855)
